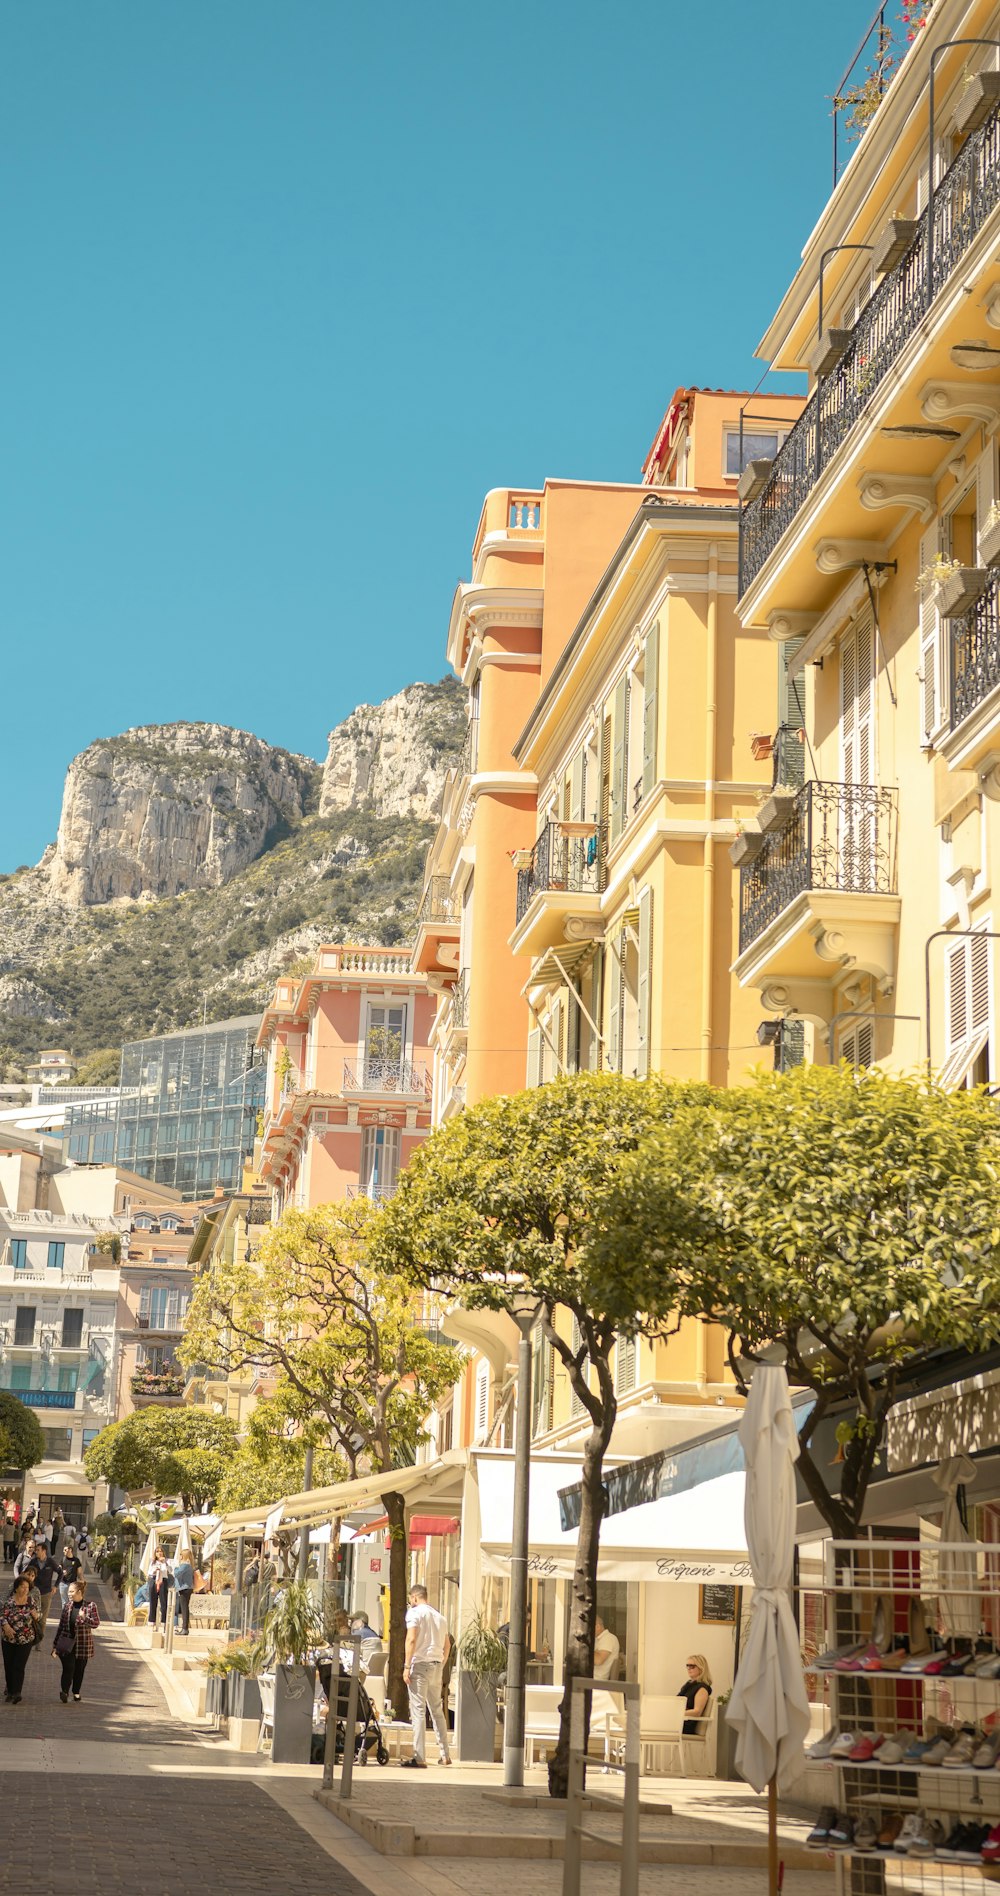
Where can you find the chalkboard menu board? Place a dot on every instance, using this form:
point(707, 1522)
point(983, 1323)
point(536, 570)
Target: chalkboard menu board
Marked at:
point(718, 1605)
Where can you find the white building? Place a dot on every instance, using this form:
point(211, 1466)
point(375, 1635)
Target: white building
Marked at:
point(58, 1299)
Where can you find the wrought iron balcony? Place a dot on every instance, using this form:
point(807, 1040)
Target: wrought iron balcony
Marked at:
point(46, 1398)
point(562, 860)
point(460, 1000)
point(975, 653)
point(377, 1193)
point(437, 904)
point(387, 1076)
point(966, 197)
point(788, 757)
point(839, 837)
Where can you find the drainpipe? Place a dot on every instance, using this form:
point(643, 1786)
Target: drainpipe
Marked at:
point(708, 847)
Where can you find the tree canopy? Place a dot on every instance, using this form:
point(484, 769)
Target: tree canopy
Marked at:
point(852, 1218)
point(22, 1440)
point(270, 1463)
point(174, 1451)
point(510, 1199)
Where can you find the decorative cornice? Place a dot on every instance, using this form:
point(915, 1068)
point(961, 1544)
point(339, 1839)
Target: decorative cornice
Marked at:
point(782, 625)
point(838, 556)
point(898, 490)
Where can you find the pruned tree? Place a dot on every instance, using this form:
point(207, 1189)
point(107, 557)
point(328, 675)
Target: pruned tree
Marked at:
point(22, 1440)
point(509, 1198)
point(851, 1218)
point(182, 1452)
point(347, 1347)
point(270, 1461)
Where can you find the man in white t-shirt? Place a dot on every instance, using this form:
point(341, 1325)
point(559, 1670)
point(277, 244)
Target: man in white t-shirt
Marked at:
point(428, 1643)
point(606, 1651)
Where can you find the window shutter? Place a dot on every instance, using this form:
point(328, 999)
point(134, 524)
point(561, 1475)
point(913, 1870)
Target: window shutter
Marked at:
point(619, 763)
point(645, 981)
point(482, 1399)
point(535, 1057)
point(173, 1309)
point(958, 998)
point(857, 703)
point(791, 760)
point(555, 1052)
point(594, 1049)
point(578, 787)
point(625, 1364)
point(650, 700)
point(617, 1010)
point(574, 1029)
point(979, 983)
point(930, 683)
point(144, 1302)
point(986, 490)
point(576, 1406)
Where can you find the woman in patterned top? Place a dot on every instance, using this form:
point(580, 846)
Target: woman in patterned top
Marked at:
point(74, 1640)
point(18, 1625)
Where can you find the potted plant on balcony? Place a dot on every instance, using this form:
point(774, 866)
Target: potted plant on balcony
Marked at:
point(893, 244)
point(959, 589)
point(291, 1628)
point(482, 1663)
point(749, 841)
point(979, 95)
point(777, 806)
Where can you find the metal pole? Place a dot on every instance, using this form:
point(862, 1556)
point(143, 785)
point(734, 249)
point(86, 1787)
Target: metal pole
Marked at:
point(629, 1881)
point(574, 1794)
point(513, 1724)
point(948, 46)
point(236, 1603)
point(304, 1531)
point(350, 1733)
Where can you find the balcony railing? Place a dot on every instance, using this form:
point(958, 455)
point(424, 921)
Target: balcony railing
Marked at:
point(460, 1000)
point(788, 757)
point(46, 1398)
point(965, 198)
point(437, 903)
point(387, 1076)
point(839, 836)
point(561, 860)
point(377, 1193)
point(975, 653)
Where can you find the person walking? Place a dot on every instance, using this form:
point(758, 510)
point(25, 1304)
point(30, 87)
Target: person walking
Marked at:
point(184, 1587)
point(58, 1532)
point(72, 1567)
point(74, 1641)
point(9, 1533)
point(48, 1574)
point(428, 1643)
point(83, 1544)
point(18, 1622)
point(160, 1583)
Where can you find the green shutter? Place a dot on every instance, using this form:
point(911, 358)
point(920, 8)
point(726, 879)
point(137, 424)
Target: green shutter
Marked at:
point(650, 690)
point(619, 760)
point(596, 983)
point(645, 980)
point(617, 1011)
point(791, 758)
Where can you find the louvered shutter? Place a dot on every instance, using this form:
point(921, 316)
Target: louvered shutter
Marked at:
point(482, 1400)
point(576, 1406)
point(848, 706)
point(864, 635)
point(578, 787)
point(791, 758)
point(644, 994)
point(859, 1044)
point(986, 489)
point(535, 1056)
point(144, 1303)
point(979, 983)
point(650, 701)
point(556, 1031)
point(619, 761)
point(625, 1363)
point(930, 683)
point(173, 1309)
point(596, 984)
point(617, 1010)
point(574, 1030)
point(958, 995)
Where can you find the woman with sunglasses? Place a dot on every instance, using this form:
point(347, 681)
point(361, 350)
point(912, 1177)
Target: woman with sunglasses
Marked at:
point(696, 1692)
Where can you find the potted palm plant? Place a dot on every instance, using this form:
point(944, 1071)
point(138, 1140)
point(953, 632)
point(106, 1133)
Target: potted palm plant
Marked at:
point(290, 1629)
point(482, 1663)
point(216, 1677)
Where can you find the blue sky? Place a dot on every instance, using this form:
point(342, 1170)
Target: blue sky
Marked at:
point(289, 285)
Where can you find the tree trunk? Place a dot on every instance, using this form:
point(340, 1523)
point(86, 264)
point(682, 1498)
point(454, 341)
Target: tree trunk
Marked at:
point(580, 1644)
point(396, 1692)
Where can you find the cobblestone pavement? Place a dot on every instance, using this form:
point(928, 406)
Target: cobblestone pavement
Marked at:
point(121, 1698)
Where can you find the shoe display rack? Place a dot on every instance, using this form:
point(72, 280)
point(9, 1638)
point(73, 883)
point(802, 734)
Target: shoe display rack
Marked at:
point(910, 1684)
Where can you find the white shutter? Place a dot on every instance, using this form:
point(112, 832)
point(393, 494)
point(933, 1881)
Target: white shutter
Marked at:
point(864, 724)
point(645, 981)
point(968, 1005)
point(619, 759)
point(848, 705)
point(650, 700)
point(617, 1008)
point(986, 490)
point(535, 1057)
point(979, 983)
point(482, 1400)
point(958, 995)
point(576, 1406)
point(173, 1309)
point(930, 639)
point(556, 1031)
point(144, 1303)
point(578, 787)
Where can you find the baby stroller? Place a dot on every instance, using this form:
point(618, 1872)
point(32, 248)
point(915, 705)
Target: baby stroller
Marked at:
point(367, 1730)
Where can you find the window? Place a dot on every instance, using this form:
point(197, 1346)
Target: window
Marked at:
point(969, 1002)
point(57, 1257)
point(67, 1379)
point(19, 1253)
point(542, 1386)
point(857, 1044)
point(168, 1224)
point(626, 1353)
point(72, 1329)
point(379, 1160)
point(20, 1376)
point(142, 1223)
point(386, 1037)
point(24, 1324)
point(58, 1444)
point(90, 1435)
point(756, 447)
point(644, 990)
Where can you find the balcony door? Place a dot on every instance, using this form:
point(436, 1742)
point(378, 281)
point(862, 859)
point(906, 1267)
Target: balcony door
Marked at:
point(854, 829)
point(385, 1044)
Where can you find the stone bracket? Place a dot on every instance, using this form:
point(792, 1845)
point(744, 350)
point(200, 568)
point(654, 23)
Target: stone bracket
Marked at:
point(838, 556)
point(951, 401)
point(898, 490)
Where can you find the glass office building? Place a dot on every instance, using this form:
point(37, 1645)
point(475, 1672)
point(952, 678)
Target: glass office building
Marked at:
point(186, 1112)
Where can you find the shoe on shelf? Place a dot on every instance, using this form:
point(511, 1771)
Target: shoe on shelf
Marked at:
point(826, 1661)
point(988, 1668)
point(937, 1752)
point(819, 1835)
point(929, 1838)
point(958, 1664)
point(919, 1638)
point(962, 1751)
point(823, 1746)
point(990, 1848)
point(975, 1837)
point(864, 1659)
point(841, 1834)
point(953, 1842)
point(908, 1827)
point(864, 1751)
point(890, 1831)
point(894, 1749)
point(865, 1834)
point(844, 1744)
point(985, 1758)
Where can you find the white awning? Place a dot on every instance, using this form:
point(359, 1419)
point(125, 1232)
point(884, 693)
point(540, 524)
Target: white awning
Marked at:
point(68, 1480)
point(424, 1482)
point(696, 1536)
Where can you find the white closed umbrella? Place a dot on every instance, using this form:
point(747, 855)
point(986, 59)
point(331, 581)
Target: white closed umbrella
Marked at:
point(769, 1708)
point(958, 1596)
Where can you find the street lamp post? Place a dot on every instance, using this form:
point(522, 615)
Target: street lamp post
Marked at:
point(525, 1315)
point(307, 1482)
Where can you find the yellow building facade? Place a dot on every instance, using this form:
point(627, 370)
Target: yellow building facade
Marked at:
point(867, 899)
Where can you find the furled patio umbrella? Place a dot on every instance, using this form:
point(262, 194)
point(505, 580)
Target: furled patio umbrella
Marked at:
point(769, 1708)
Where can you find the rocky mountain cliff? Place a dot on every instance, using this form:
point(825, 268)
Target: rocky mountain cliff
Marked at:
point(194, 861)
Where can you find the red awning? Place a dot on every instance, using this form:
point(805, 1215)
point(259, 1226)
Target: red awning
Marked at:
point(421, 1526)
